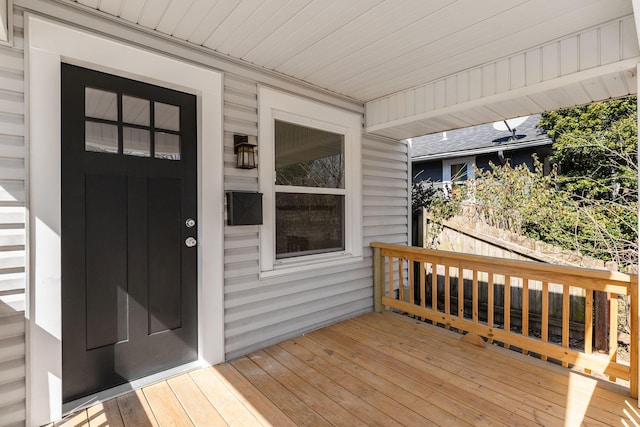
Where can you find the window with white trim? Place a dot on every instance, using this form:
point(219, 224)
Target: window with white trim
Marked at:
point(310, 177)
point(457, 171)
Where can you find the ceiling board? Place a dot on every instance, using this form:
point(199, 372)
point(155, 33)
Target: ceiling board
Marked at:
point(368, 49)
point(131, 10)
point(152, 12)
point(173, 15)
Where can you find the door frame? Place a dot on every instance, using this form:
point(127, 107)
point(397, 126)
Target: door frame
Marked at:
point(49, 43)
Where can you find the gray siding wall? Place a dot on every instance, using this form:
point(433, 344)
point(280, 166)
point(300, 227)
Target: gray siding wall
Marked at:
point(12, 231)
point(257, 312)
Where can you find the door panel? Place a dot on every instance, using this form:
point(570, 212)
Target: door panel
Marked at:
point(106, 259)
point(165, 244)
point(129, 181)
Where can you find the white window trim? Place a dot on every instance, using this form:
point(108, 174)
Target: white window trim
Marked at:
point(47, 45)
point(6, 22)
point(283, 106)
point(446, 167)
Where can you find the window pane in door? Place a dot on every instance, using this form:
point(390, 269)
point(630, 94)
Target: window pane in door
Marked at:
point(308, 224)
point(167, 116)
point(167, 146)
point(308, 157)
point(136, 142)
point(100, 104)
point(136, 111)
point(100, 137)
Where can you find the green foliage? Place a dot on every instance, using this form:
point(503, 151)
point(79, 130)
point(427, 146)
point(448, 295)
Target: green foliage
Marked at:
point(588, 203)
point(596, 148)
point(531, 204)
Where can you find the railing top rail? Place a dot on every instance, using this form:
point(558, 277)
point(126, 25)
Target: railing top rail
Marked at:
point(612, 277)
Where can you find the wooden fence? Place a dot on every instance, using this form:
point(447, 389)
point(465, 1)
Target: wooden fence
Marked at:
point(394, 268)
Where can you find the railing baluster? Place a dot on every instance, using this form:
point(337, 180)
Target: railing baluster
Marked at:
point(391, 282)
point(506, 313)
point(525, 310)
point(423, 292)
point(378, 279)
point(411, 282)
point(400, 280)
point(565, 319)
point(461, 293)
point(545, 315)
point(434, 288)
point(447, 293)
point(423, 277)
point(613, 330)
point(474, 298)
point(490, 297)
point(588, 322)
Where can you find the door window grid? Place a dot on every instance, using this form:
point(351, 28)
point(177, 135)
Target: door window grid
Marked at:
point(123, 124)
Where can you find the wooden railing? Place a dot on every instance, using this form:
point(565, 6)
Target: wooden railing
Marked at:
point(405, 276)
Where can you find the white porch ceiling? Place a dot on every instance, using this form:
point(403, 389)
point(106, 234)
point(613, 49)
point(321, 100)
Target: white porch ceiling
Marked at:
point(370, 49)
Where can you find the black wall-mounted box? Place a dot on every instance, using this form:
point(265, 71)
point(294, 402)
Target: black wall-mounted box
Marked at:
point(244, 208)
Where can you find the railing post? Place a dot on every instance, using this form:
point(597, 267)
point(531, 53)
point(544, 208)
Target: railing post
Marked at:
point(633, 344)
point(378, 279)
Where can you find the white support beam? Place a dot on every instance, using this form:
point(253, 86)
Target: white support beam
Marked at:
point(603, 59)
point(636, 302)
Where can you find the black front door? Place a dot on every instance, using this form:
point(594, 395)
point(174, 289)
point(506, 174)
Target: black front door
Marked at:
point(129, 205)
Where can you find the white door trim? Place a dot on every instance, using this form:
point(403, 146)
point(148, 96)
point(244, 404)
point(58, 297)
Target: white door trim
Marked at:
point(47, 45)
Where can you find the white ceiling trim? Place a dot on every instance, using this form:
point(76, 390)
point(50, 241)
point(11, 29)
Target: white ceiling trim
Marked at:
point(603, 51)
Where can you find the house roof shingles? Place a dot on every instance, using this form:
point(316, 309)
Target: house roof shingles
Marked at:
point(477, 139)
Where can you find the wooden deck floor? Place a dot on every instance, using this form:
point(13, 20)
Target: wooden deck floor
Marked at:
point(373, 370)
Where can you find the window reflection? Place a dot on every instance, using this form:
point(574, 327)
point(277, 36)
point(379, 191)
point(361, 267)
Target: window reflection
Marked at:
point(308, 157)
point(136, 142)
point(308, 224)
point(100, 137)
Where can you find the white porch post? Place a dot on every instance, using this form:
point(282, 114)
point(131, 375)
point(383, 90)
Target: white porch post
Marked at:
point(636, 3)
point(636, 17)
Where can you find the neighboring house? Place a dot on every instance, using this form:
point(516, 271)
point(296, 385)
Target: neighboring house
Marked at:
point(450, 156)
point(118, 123)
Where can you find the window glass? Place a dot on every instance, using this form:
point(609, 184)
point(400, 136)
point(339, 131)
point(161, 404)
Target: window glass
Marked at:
point(100, 137)
point(459, 172)
point(136, 142)
point(308, 224)
point(136, 111)
point(167, 116)
point(308, 157)
point(167, 146)
point(100, 104)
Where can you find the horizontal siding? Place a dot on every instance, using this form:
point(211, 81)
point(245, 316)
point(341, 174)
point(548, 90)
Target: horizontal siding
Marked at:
point(259, 312)
point(385, 194)
point(12, 231)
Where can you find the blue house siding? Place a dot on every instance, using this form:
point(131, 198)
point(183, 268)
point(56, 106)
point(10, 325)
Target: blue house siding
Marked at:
point(424, 171)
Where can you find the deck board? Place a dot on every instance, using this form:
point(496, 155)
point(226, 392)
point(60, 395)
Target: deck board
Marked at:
point(194, 401)
point(135, 410)
point(473, 365)
point(105, 414)
point(373, 370)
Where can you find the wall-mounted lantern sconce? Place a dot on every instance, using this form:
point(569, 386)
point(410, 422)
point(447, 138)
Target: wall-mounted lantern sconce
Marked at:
point(245, 152)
